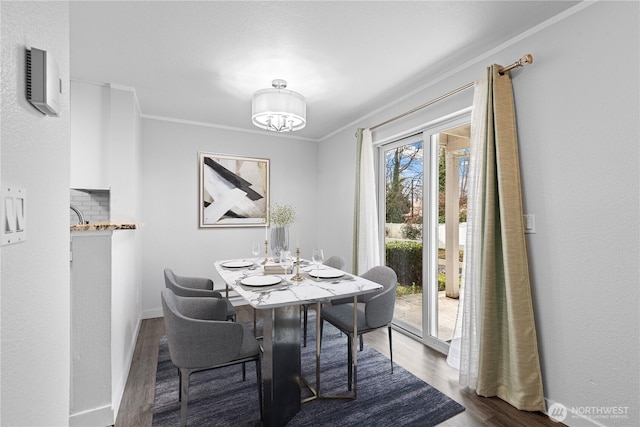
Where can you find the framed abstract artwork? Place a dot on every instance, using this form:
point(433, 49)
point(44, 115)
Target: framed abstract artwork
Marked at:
point(234, 191)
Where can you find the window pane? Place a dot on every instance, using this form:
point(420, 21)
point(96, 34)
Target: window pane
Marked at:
point(453, 160)
point(403, 228)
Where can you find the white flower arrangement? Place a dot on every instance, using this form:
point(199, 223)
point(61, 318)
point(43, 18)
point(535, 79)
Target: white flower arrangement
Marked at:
point(282, 215)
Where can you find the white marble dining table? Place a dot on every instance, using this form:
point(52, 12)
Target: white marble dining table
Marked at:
point(280, 306)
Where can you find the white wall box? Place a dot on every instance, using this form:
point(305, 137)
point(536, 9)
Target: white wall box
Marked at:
point(43, 82)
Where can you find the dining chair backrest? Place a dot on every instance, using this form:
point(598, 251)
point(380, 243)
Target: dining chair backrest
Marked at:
point(380, 305)
point(335, 261)
point(382, 275)
point(179, 283)
point(195, 287)
point(203, 340)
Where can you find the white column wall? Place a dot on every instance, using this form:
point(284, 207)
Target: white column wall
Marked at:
point(114, 127)
point(35, 278)
point(125, 146)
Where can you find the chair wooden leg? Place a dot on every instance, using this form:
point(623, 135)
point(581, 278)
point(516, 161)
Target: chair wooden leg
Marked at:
point(390, 349)
point(184, 388)
point(361, 342)
point(244, 371)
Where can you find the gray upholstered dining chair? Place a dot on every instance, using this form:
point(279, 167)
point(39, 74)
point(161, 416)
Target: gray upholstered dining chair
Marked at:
point(335, 262)
point(375, 310)
point(200, 338)
point(196, 287)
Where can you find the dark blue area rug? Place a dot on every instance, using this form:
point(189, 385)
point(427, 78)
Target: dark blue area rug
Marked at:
point(220, 398)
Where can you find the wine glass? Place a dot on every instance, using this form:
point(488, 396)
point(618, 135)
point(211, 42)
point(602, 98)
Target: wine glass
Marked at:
point(255, 250)
point(286, 262)
point(318, 258)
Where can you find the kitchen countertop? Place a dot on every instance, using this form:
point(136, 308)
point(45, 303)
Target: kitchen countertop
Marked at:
point(104, 226)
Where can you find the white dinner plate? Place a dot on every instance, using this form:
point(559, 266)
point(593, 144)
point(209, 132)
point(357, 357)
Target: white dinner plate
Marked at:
point(327, 273)
point(261, 280)
point(237, 264)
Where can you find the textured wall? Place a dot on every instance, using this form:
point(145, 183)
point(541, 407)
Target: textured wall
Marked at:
point(35, 298)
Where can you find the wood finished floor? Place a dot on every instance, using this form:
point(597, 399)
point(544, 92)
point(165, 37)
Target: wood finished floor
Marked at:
point(136, 408)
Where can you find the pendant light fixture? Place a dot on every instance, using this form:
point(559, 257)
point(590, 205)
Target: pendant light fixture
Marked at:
point(279, 109)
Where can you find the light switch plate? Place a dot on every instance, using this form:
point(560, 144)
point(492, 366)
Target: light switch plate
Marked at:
point(14, 215)
point(529, 224)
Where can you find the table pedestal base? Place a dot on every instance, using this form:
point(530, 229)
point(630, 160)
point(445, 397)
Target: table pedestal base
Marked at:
point(281, 364)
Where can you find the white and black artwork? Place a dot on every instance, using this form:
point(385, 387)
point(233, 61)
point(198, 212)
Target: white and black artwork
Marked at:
point(234, 190)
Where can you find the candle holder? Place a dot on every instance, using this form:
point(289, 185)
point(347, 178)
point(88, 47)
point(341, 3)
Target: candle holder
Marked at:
point(297, 277)
point(266, 253)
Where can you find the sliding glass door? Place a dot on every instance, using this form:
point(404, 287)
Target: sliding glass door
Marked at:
point(403, 162)
point(424, 211)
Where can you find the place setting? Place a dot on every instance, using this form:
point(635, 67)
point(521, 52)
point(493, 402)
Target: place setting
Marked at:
point(271, 275)
point(238, 264)
point(286, 271)
point(317, 271)
point(260, 281)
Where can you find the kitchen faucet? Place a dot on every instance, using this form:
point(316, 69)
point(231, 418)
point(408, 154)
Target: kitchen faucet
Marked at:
point(80, 216)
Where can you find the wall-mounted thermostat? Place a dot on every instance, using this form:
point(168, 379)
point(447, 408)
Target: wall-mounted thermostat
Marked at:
point(43, 82)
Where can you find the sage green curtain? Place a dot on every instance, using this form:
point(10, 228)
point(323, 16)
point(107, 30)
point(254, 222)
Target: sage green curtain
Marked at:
point(508, 359)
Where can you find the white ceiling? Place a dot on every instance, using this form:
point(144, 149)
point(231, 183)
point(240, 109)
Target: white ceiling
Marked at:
point(201, 61)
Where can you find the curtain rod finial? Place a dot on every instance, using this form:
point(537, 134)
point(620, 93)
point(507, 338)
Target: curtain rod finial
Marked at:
point(524, 60)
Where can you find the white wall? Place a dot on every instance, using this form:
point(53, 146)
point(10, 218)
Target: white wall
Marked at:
point(91, 360)
point(170, 197)
point(35, 297)
point(577, 112)
point(125, 168)
point(108, 134)
point(90, 123)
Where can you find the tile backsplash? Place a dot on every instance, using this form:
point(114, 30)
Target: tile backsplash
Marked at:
point(94, 205)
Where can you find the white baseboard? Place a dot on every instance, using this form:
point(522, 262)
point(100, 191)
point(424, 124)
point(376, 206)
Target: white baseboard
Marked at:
point(152, 314)
point(103, 416)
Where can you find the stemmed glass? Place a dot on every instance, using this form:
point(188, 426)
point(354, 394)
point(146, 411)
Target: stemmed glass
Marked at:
point(255, 250)
point(318, 258)
point(286, 262)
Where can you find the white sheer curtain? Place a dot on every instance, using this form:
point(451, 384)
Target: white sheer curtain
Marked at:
point(463, 351)
point(366, 244)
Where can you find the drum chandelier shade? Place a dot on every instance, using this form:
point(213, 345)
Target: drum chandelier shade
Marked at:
point(279, 109)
